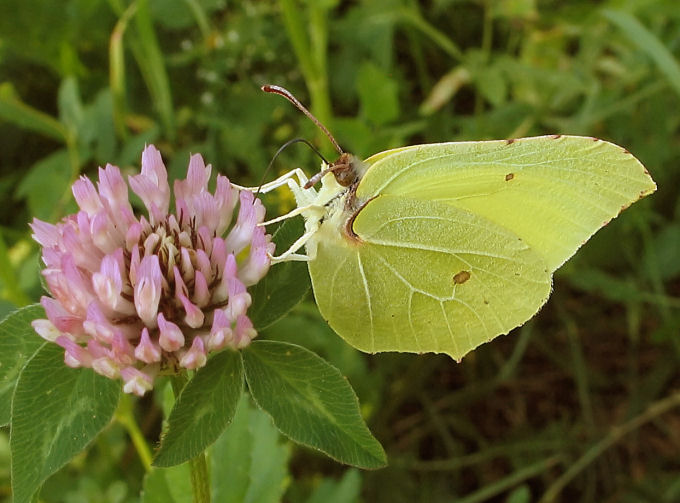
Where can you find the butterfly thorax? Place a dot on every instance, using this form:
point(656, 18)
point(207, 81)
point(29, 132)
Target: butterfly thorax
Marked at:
point(335, 206)
point(348, 171)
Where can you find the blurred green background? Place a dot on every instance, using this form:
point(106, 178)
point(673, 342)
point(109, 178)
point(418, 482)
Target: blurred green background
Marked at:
point(576, 406)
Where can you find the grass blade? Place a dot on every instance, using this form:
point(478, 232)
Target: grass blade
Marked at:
point(649, 44)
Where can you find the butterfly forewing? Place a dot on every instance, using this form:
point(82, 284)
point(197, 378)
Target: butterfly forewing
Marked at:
point(554, 191)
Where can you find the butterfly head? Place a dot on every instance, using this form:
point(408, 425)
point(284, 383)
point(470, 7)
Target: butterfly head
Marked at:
point(347, 169)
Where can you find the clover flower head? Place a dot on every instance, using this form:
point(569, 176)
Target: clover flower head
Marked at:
point(136, 296)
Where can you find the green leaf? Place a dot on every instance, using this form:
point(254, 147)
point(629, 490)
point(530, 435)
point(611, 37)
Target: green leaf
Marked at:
point(51, 34)
point(378, 94)
point(10, 288)
point(522, 494)
point(514, 9)
point(615, 288)
point(346, 490)
point(285, 284)
point(98, 128)
point(663, 256)
point(167, 485)
point(130, 151)
point(249, 463)
point(444, 90)
point(6, 308)
point(70, 104)
point(45, 184)
point(56, 412)
point(13, 110)
point(649, 43)
point(183, 15)
point(152, 67)
point(18, 343)
point(310, 402)
point(491, 83)
point(203, 410)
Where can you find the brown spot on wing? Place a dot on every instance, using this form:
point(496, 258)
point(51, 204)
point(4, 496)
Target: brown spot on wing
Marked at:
point(510, 141)
point(509, 177)
point(461, 277)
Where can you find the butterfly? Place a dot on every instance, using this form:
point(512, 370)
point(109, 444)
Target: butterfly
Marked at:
point(442, 247)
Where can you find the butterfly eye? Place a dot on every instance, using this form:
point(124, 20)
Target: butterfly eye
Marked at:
point(345, 176)
point(344, 170)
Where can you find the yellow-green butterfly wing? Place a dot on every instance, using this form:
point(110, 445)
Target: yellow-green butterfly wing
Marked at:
point(553, 191)
point(455, 243)
point(426, 277)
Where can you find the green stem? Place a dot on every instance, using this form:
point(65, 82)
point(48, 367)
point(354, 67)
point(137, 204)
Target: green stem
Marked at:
point(459, 462)
point(511, 480)
point(487, 35)
point(200, 17)
point(412, 17)
point(147, 53)
point(318, 28)
point(580, 370)
point(417, 54)
point(126, 418)
point(309, 41)
point(117, 70)
point(615, 434)
point(200, 478)
point(487, 31)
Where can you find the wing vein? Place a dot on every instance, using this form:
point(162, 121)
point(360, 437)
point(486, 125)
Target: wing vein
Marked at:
point(334, 277)
point(418, 246)
point(448, 326)
point(368, 299)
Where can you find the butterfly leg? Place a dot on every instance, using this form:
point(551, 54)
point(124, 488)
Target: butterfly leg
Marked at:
point(289, 255)
point(279, 182)
point(291, 214)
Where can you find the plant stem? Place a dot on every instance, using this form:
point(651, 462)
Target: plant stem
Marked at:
point(413, 17)
point(487, 37)
point(616, 433)
point(147, 53)
point(117, 70)
point(511, 480)
point(200, 478)
point(309, 40)
point(127, 420)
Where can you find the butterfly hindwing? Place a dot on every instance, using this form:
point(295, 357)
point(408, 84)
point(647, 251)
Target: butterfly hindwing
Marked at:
point(426, 277)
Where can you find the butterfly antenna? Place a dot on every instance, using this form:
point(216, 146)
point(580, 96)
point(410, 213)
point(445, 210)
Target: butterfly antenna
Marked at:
point(288, 95)
point(281, 149)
